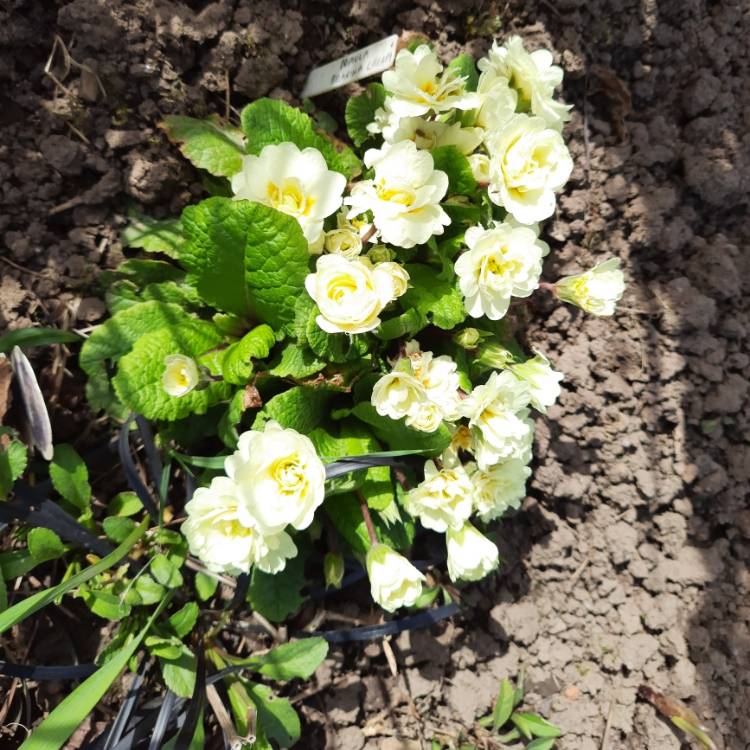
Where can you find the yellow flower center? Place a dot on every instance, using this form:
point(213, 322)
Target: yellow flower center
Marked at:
point(233, 528)
point(497, 265)
point(404, 196)
point(340, 288)
point(290, 198)
point(429, 87)
point(289, 474)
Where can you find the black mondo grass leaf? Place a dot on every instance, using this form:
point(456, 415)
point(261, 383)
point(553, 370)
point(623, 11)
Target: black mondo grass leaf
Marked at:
point(164, 719)
point(195, 707)
point(33, 401)
point(126, 708)
point(131, 472)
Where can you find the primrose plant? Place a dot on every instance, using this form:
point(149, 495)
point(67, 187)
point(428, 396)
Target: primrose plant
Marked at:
point(321, 306)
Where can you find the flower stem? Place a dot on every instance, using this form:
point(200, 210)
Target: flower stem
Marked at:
point(548, 287)
point(368, 518)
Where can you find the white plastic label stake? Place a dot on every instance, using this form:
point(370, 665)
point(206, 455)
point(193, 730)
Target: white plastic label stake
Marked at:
point(352, 67)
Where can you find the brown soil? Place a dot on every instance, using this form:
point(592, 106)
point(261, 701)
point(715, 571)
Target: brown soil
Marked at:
point(630, 562)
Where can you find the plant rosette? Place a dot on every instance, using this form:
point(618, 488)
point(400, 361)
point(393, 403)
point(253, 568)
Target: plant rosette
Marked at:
point(327, 301)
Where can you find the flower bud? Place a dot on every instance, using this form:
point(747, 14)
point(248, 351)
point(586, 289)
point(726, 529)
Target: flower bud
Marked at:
point(333, 570)
point(480, 168)
point(380, 254)
point(468, 338)
point(343, 241)
point(494, 355)
point(543, 381)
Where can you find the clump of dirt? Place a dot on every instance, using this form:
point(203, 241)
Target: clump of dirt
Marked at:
point(629, 562)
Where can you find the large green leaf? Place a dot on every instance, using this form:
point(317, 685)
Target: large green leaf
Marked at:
point(70, 477)
point(277, 596)
point(297, 361)
point(268, 121)
point(360, 112)
point(395, 433)
point(138, 382)
point(433, 297)
point(248, 259)
point(208, 143)
point(116, 337)
point(56, 728)
point(31, 604)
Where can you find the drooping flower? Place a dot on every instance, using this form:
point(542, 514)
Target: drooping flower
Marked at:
point(503, 261)
point(498, 103)
point(471, 555)
point(394, 581)
point(531, 75)
point(498, 487)
point(417, 84)
point(438, 376)
point(180, 376)
point(350, 293)
point(529, 164)
point(226, 537)
point(404, 195)
point(429, 134)
point(480, 168)
point(543, 381)
point(497, 415)
point(425, 417)
point(596, 291)
point(443, 500)
point(280, 477)
point(399, 276)
point(294, 182)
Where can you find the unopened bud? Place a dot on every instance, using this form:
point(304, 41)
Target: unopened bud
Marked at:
point(333, 570)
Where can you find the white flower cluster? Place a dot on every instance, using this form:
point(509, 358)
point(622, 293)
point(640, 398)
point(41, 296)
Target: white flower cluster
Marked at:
point(421, 387)
point(273, 480)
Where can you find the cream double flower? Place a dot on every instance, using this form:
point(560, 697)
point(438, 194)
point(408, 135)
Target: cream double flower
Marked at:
point(497, 417)
point(532, 76)
point(498, 487)
point(226, 537)
point(404, 195)
point(417, 84)
point(350, 292)
point(279, 475)
point(421, 388)
point(444, 500)
point(294, 182)
point(529, 163)
point(542, 380)
point(503, 261)
point(429, 134)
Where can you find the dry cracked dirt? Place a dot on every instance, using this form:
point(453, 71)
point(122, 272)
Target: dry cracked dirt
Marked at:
point(629, 562)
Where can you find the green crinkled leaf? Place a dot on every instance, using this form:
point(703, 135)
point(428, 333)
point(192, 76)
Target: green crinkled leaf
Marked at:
point(13, 460)
point(301, 408)
point(208, 144)
point(277, 596)
point(268, 121)
point(360, 112)
point(405, 325)
point(236, 361)
point(179, 673)
point(276, 715)
point(142, 271)
point(460, 177)
point(138, 382)
point(154, 235)
point(116, 337)
point(248, 259)
point(70, 477)
point(397, 436)
point(465, 66)
point(297, 362)
point(435, 298)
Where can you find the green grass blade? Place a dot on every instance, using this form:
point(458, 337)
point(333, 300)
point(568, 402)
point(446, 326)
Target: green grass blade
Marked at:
point(36, 337)
point(503, 705)
point(55, 730)
point(28, 606)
